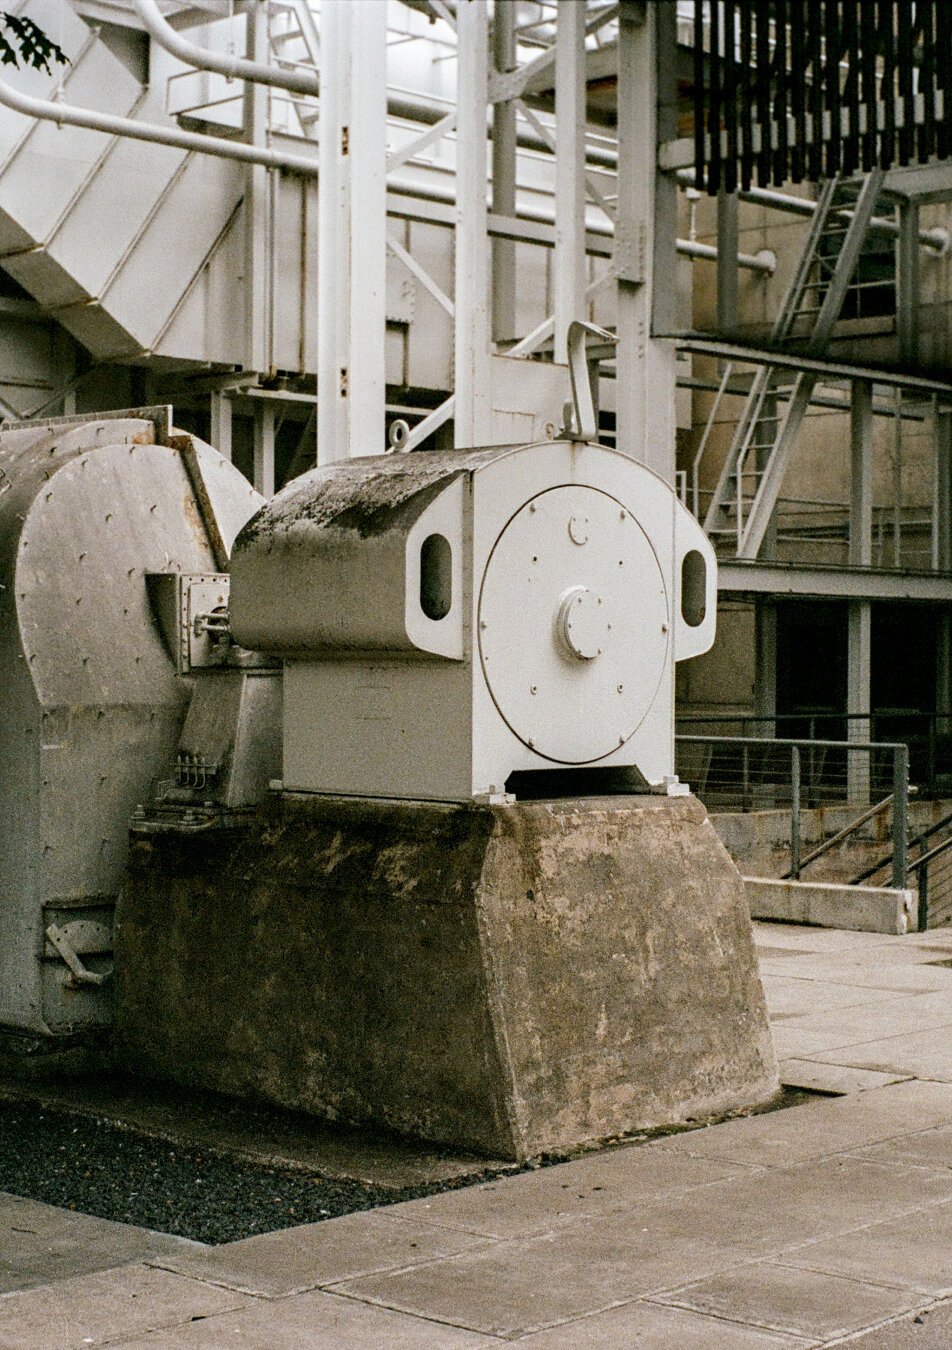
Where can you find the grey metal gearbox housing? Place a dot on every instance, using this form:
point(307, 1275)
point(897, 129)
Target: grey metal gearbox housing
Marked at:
point(93, 700)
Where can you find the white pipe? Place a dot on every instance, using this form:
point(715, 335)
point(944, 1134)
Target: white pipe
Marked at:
point(936, 239)
point(233, 67)
point(66, 114)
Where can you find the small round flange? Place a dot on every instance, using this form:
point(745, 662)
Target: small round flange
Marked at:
point(580, 623)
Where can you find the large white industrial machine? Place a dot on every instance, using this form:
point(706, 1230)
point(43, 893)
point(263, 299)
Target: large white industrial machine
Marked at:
point(448, 620)
point(114, 537)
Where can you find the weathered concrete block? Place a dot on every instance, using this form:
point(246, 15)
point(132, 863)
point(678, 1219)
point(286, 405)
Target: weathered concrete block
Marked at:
point(511, 979)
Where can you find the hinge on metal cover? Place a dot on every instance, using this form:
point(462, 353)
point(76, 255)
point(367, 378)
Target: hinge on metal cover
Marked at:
point(79, 973)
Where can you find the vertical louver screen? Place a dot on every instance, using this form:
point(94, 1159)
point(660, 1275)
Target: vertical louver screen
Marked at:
point(787, 90)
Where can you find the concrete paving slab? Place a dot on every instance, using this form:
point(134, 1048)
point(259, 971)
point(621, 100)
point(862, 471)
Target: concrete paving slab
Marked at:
point(927, 1329)
point(928, 1148)
point(791, 1043)
point(818, 1129)
point(834, 1078)
point(105, 1307)
point(540, 1201)
point(41, 1243)
point(912, 1252)
point(650, 1327)
point(882, 1018)
point(295, 1259)
point(884, 973)
point(800, 1302)
point(797, 996)
point(312, 1322)
point(513, 1288)
point(925, 1054)
point(770, 1212)
point(800, 936)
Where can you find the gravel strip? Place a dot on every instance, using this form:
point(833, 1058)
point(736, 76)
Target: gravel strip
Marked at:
point(85, 1164)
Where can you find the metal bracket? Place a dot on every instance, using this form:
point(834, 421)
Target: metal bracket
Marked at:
point(584, 419)
point(80, 973)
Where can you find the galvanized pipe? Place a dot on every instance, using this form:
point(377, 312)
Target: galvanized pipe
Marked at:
point(67, 115)
point(936, 239)
point(232, 67)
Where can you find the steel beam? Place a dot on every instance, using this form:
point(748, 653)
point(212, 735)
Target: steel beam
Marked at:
point(726, 268)
point(833, 583)
point(569, 275)
point(473, 405)
point(352, 230)
point(861, 474)
point(831, 370)
point(645, 389)
point(257, 216)
point(504, 177)
point(264, 449)
point(220, 421)
point(907, 283)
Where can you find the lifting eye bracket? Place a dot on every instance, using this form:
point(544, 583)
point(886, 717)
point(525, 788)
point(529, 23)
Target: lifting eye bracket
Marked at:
point(582, 425)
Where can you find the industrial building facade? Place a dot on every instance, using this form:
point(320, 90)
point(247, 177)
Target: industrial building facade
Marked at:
point(491, 173)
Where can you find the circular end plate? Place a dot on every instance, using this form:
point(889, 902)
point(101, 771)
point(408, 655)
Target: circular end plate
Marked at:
point(573, 694)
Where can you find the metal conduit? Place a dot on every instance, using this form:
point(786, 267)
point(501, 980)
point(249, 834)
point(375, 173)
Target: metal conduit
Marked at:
point(937, 239)
point(400, 103)
point(68, 115)
point(233, 67)
point(764, 261)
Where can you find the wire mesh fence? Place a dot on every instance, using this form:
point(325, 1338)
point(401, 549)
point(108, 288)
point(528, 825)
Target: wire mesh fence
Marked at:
point(928, 736)
point(753, 774)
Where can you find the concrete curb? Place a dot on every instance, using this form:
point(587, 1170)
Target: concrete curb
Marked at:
point(865, 909)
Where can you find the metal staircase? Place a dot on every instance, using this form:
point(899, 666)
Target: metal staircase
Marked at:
point(746, 494)
point(112, 236)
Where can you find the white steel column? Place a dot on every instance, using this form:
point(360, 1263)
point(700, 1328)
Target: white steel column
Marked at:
point(257, 217)
point(859, 639)
point(473, 409)
point(264, 449)
point(352, 230)
point(504, 178)
point(220, 432)
point(569, 262)
point(645, 387)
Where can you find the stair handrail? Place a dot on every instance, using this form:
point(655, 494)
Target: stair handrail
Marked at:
point(847, 831)
point(705, 437)
point(232, 67)
point(67, 114)
point(917, 839)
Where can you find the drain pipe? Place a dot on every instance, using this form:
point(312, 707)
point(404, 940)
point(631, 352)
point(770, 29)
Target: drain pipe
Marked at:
point(233, 67)
point(64, 114)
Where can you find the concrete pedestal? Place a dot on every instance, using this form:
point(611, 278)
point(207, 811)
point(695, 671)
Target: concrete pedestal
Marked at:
point(513, 979)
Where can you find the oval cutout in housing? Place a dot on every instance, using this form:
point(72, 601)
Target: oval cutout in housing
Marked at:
point(436, 576)
point(693, 588)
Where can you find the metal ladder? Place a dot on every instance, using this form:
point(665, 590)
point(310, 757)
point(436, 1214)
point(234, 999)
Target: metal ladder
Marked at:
point(749, 484)
point(292, 22)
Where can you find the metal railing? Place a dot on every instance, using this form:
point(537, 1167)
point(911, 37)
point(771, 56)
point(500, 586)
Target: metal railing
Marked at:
point(755, 773)
point(933, 871)
point(928, 736)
